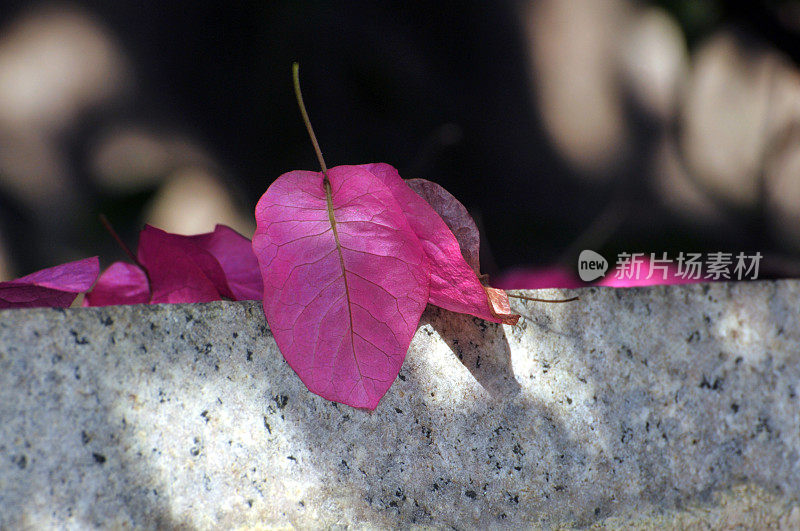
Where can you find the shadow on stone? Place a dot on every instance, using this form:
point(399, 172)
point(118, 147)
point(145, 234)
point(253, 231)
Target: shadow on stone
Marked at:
point(480, 345)
point(673, 392)
point(440, 451)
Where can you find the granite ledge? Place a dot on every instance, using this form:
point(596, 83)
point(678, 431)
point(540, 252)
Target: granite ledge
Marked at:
point(670, 405)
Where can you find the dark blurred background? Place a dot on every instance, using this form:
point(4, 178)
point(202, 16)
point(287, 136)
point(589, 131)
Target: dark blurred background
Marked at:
point(562, 125)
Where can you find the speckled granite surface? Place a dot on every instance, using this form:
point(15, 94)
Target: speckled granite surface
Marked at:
point(645, 407)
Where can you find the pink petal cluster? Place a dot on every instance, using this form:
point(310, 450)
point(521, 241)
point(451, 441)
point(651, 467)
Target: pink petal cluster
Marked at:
point(55, 287)
point(174, 268)
point(348, 268)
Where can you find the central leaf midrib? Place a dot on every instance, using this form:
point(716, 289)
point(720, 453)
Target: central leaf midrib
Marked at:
point(332, 219)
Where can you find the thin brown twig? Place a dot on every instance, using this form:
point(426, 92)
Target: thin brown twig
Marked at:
point(534, 299)
point(122, 244)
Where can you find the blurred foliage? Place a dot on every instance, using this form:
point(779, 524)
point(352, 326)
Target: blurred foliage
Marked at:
point(443, 90)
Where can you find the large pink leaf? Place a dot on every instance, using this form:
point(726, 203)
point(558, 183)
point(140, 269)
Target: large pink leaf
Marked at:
point(179, 270)
point(54, 287)
point(234, 253)
point(454, 284)
point(121, 283)
point(345, 281)
point(196, 268)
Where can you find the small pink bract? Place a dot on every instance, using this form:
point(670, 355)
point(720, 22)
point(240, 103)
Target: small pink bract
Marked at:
point(235, 256)
point(121, 283)
point(54, 287)
point(179, 271)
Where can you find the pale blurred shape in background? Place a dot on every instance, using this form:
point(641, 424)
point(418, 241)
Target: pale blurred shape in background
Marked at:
point(740, 131)
point(191, 198)
point(678, 189)
point(722, 120)
point(654, 60)
point(725, 118)
point(703, 137)
point(34, 172)
point(57, 65)
point(574, 52)
point(783, 191)
point(133, 158)
point(53, 65)
point(192, 201)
